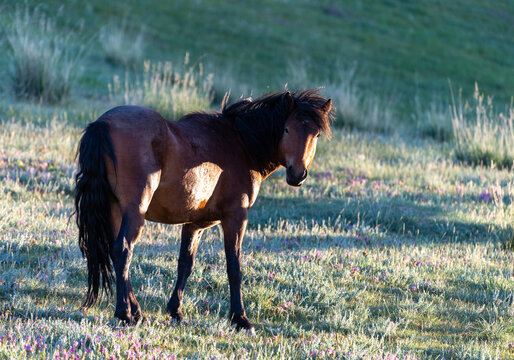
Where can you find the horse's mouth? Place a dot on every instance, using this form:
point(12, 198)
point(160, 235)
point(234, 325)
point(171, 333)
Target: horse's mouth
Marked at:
point(295, 184)
point(295, 180)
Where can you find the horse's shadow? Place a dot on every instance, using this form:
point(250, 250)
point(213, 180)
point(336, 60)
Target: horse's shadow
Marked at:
point(387, 215)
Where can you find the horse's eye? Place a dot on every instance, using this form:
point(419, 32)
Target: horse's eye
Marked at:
point(305, 122)
point(286, 131)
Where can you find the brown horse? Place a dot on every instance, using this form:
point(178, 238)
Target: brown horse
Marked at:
point(203, 170)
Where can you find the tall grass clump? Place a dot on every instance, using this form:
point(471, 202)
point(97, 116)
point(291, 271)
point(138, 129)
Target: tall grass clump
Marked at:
point(228, 80)
point(119, 47)
point(43, 66)
point(433, 122)
point(483, 136)
point(356, 109)
point(172, 92)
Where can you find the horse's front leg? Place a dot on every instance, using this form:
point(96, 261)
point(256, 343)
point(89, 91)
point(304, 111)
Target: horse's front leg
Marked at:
point(234, 225)
point(191, 234)
point(127, 307)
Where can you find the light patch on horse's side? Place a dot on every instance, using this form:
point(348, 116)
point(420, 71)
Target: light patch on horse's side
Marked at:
point(256, 185)
point(245, 202)
point(248, 199)
point(200, 182)
point(152, 183)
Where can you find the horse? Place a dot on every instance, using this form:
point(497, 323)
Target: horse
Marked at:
point(203, 170)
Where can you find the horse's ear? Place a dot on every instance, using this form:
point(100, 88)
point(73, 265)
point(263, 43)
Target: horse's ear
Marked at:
point(327, 107)
point(288, 100)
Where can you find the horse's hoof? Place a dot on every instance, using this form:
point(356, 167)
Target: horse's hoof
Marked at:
point(176, 315)
point(138, 318)
point(242, 323)
point(126, 319)
point(137, 315)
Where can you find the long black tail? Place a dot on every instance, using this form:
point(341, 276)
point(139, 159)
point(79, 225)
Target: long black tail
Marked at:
point(93, 209)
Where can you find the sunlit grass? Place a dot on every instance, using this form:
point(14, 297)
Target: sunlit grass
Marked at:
point(386, 251)
point(483, 135)
point(42, 65)
point(433, 121)
point(171, 91)
point(358, 109)
point(119, 46)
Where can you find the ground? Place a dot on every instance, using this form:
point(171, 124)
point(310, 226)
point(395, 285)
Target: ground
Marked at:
point(392, 249)
point(389, 249)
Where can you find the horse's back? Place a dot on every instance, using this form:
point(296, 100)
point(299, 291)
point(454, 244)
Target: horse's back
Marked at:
point(134, 121)
point(137, 132)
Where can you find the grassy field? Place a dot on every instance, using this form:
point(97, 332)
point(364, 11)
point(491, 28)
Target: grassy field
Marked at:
point(390, 250)
point(396, 247)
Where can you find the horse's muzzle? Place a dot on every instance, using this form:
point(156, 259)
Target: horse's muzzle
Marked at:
point(294, 179)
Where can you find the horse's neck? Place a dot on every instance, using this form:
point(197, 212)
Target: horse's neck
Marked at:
point(270, 169)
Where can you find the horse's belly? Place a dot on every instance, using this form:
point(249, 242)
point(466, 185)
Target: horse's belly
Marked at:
point(192, 196)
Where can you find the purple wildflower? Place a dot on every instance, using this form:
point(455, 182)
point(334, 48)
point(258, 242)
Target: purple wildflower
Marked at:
point(485, 196)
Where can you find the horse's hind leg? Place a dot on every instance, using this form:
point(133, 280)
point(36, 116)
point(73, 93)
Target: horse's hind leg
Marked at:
point(191, 234)
point(127, 307)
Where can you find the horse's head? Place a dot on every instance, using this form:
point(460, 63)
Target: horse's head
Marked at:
point(309, 117)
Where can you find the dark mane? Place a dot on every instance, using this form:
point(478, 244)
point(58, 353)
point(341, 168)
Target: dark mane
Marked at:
point(260, 122)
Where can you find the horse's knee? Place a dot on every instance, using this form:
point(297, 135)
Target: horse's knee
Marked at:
point(121, 254)
point(186, 265)
point(234, 269)
point(119, 247)
point(130, 228)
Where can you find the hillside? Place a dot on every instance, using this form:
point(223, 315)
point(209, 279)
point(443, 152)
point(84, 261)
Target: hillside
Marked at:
point(402, 52)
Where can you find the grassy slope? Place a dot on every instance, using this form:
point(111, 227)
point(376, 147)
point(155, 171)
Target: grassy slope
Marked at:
point(407, 49)
point(395, 250)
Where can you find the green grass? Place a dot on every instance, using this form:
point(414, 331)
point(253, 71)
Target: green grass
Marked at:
point(393, 249)
point(390, 248)
point(401, 51)
point(483, 136)
point(173, 91)
point(120, 46)
point(42, 66)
